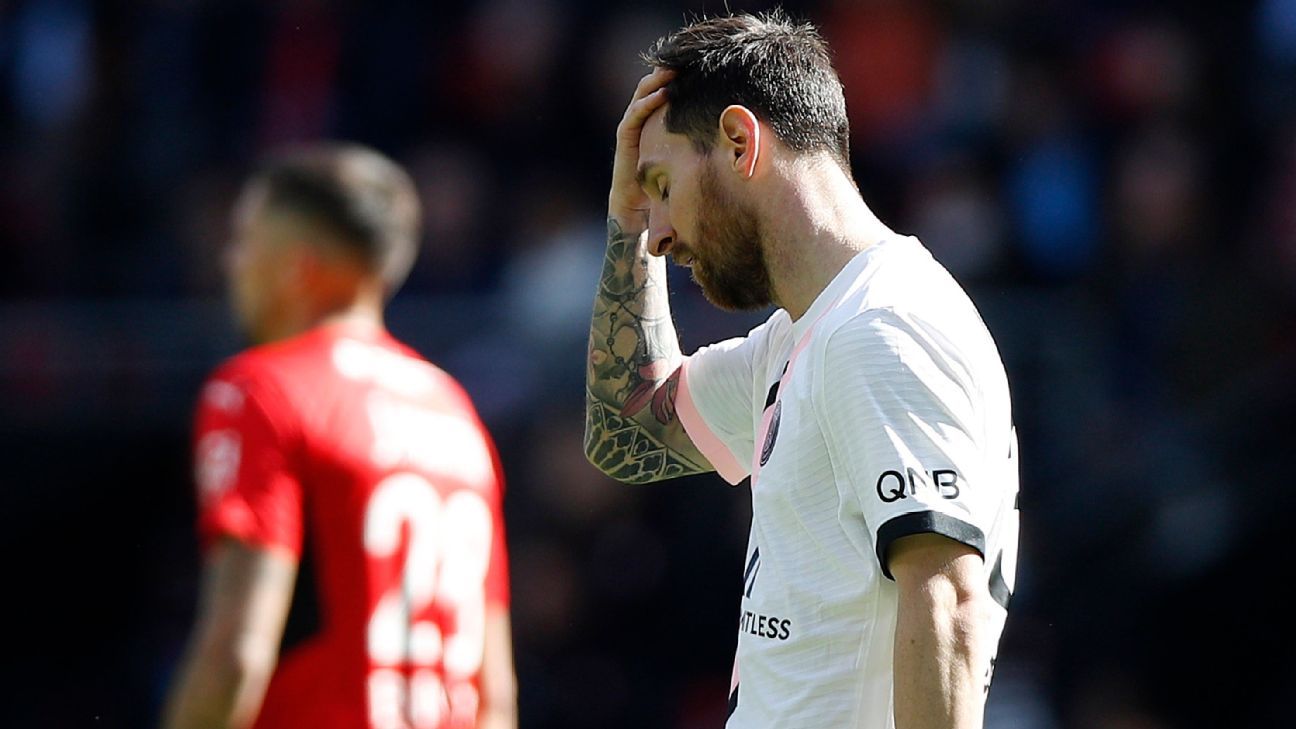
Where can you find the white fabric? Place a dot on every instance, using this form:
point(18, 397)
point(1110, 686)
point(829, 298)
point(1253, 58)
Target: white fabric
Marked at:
point(893, 418)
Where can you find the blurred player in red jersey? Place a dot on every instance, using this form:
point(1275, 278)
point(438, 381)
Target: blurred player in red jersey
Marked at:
point(332, 429)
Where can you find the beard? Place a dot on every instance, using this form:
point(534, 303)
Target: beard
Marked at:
point(732, 271)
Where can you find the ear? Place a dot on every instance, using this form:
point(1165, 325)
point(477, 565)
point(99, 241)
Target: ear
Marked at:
point(299, 266)
point(740, 138)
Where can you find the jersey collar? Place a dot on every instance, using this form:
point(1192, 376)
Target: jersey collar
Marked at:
point(835, 290)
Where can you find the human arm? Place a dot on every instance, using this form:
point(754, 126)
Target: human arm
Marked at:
point(234, 645)
point(941, 641)
point(926, 458)
point(498, 679)
point(634, 361)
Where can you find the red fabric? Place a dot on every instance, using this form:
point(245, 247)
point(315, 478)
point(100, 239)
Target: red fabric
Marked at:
point(380, 456)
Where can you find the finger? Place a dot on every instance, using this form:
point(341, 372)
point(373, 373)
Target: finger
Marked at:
point(652, 82)
point(640, 110)
point(642, 107)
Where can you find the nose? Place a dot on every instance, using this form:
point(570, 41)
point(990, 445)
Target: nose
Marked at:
point(661, 236)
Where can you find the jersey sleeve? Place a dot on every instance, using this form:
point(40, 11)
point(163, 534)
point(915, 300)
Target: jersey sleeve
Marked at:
point(715, 404)
point(904, 421)
point(244, 445)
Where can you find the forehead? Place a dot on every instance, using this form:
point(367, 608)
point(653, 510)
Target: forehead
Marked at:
point(657, 145)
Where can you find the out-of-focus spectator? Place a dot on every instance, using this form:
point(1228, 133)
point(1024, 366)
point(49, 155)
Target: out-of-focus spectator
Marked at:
point(458, 194)
point(1051, 177)
point(1146, 70)
point(301, 73)
point(53, 73)
point(501, 72)
point(887, 54)
point(957, 211)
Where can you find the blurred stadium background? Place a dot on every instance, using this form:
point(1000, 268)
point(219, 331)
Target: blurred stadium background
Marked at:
point(1114, 181)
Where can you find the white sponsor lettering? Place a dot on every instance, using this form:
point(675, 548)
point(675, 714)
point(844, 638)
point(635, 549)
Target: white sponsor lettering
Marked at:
point(390, 370)
point(411, 436)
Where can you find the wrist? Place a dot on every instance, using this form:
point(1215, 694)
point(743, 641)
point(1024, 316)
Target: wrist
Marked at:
point(631, 219)
point(629, 228)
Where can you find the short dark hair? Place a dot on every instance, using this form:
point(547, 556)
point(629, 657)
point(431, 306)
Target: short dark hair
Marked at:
point(362, 198)
point(781, 70)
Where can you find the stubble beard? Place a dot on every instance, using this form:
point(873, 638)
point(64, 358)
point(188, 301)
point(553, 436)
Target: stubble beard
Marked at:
point(732, 271)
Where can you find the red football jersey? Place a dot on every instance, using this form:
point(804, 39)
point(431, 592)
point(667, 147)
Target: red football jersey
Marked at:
point(349, 435)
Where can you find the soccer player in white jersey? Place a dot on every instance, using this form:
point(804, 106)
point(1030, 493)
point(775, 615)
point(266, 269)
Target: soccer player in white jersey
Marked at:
point(871, 411)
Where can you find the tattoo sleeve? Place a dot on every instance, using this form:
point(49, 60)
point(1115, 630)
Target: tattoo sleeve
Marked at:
point(632, 371)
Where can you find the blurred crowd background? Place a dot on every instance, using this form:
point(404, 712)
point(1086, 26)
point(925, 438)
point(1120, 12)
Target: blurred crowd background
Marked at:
point(1113, 181)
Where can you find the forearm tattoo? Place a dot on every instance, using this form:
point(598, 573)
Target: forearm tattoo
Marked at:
point(632, 369)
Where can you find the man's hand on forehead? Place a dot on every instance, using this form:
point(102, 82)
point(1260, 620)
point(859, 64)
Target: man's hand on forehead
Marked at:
point(627, 201)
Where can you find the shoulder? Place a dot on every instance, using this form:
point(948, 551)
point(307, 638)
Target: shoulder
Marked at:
point(910, 306)
point(403, 368)
point(400, 370)
point(872, 333)
point(756, 345)
point(240, 410)
point(233, 380)
point(893, 351)
point(263, 377)
point(778, 324)
point(915, 321)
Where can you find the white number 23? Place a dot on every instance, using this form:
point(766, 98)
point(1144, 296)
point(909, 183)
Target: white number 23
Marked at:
point(447, 555)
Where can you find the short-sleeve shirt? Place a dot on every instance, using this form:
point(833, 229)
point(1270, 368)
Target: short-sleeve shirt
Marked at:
point(882, 412)
point(347, 436)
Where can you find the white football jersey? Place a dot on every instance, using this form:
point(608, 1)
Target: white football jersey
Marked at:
point(882, 412)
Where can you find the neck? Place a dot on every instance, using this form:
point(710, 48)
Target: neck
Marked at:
point(816, 224)
point(364, 318)
point(362, 310)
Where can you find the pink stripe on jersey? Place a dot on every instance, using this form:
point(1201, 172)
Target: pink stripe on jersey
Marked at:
point(706, 441)
point(763, 431)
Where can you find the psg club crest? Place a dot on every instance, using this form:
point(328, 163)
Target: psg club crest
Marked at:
point(771, 435)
